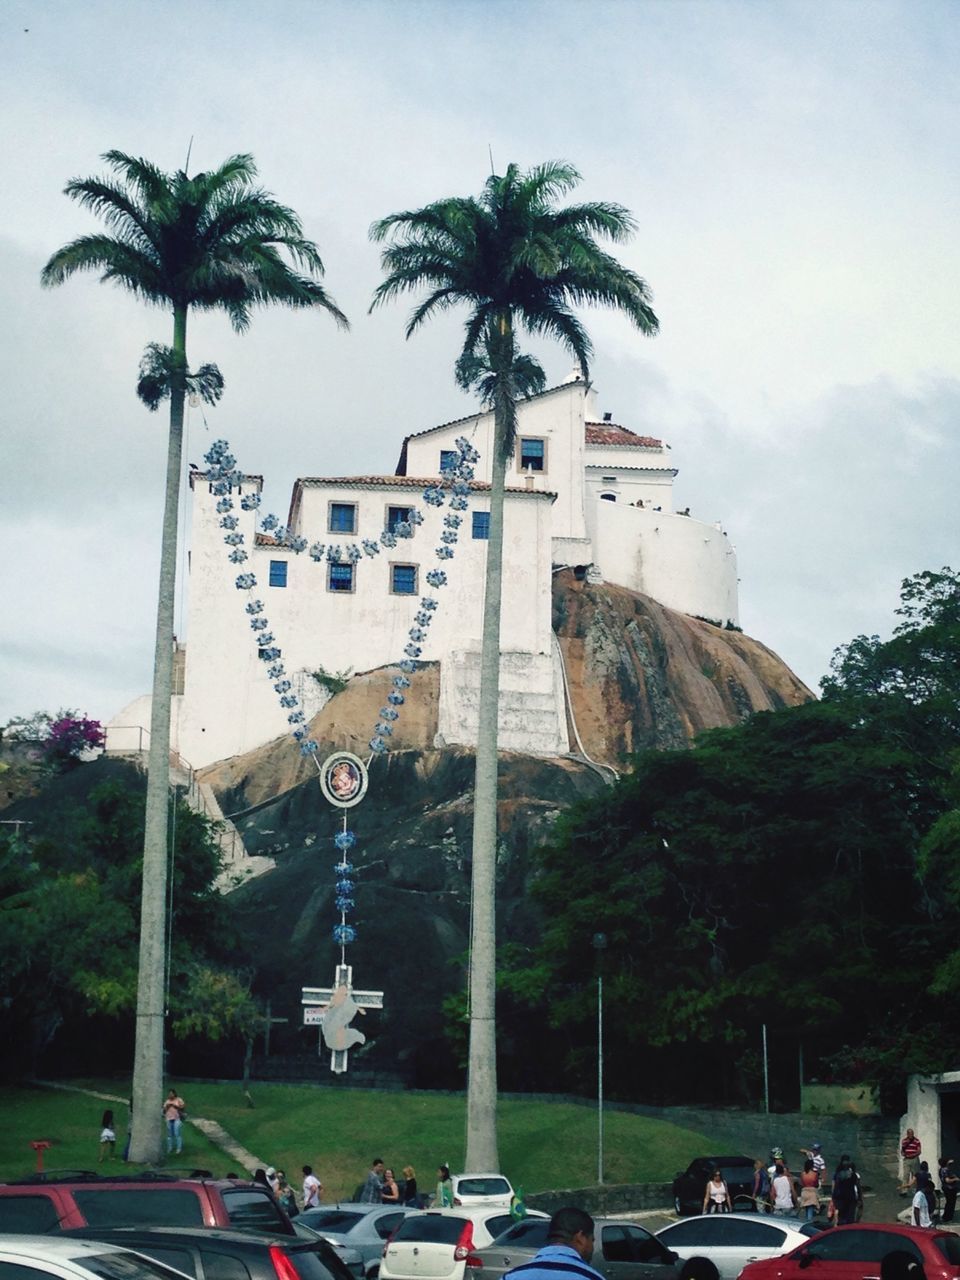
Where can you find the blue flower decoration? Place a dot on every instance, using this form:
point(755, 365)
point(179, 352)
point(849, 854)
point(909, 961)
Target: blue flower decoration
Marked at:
point(344, 933)
point(295, 717)
point(452, 521)
point(288, 700)
point(309, 748)
point(250, 501)
point(405, 664)
point(353, 553)
point(345, 886)
point(465, 473)
point(276, 670)
point(385, 730)
point(297, 544)
point(223, 506)
point(269, 522)
point(345, 839)
point(461, 489)
point(268, 655)
point(283, 686)
point(403, 529)
point(246, 582)
point(417, 634)
point(316, 551)
point(334, 555)
point(458, 504)
point(412, 650)
point(233, 539)
point(428, 602)
point(388, 539)
point(443, 553)
point(377, 746)
point(396, 699)
point(299, 734)
point(344, 904)
point(416, 517)
point(388, 713)
point(267, 638)
point(254, 606)
point(401, 682)
point(259, 624)
point(370, 547)
point(423, 619)
point(228, 522)
point(238, 556)
point(449, 536)
point(221, 488)
point(437, 578)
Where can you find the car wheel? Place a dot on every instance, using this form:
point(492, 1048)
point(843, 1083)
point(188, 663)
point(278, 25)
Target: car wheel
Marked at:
point(699, 1269)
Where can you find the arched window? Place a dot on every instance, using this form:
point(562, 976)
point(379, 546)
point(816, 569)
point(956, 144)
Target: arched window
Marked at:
point(608, 497)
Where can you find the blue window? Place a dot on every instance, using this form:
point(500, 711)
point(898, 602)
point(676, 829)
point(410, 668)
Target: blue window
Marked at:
point(533, 454)
point(278, 573)
point(448, 458)
point(395, 516)
point(403, 579)
point(481, 525)
point(343, 517)
point(340, 577)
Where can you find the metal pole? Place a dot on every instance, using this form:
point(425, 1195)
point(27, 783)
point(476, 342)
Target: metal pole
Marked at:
point(766, 1074)
point(600, 1078)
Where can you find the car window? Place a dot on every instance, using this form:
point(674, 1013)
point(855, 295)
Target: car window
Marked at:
point(388, 1223)
point(644, 1247)
point(431, 1228)
point(122, 1265)
point(169, 1255)
point(949, 1247)
point(17, 1271)
point(332, 1219)
point(251, 1210)
point(860, 1244)
point(694, 1231)
point(614, 1244)
point(737, 1172)
point(221, 1266)
point(28, 1214)
point(154, 1208)
point(531, 1233)
point(496, 1226)
point(758, 1235)
point(310, 1266)
point(482, 1187)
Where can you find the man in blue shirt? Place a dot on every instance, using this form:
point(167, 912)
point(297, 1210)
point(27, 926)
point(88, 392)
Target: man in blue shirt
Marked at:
point(567, 1252)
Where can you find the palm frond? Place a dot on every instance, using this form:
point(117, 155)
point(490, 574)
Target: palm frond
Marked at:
point(160, 366)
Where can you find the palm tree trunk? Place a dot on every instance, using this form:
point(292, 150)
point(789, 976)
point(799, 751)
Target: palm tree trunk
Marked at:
point(482, 1154)
point(147, 1142)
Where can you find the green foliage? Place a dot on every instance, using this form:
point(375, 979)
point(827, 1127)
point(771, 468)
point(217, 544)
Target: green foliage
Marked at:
point(798, 871)
point(333, 681)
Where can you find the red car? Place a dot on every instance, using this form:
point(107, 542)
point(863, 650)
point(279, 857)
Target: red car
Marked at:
point(855, 1253)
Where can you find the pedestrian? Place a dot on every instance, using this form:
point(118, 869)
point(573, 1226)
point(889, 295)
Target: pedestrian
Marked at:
point(845, 1192)
point(921, 1208)
point(174, 1108)
point(809, 1191)
point(272, 1179)
point(949, 1185)
point(815, 1153)
point(910, 1149)
point(716, 1196)
point(260, 1176)
point(389, 1192)
point(108, 1138)
point(410, 1198)
point(761, 1187)
point(373, 1187)
point(569, 1248)
point(784, 1196)
point(286, 1198)
point(312, 1188)
point(444, 1197)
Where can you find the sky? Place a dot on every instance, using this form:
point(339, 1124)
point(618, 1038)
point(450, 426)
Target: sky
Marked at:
point(792, 169)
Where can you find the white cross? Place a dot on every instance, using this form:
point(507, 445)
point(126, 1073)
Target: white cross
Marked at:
point(333, 1009)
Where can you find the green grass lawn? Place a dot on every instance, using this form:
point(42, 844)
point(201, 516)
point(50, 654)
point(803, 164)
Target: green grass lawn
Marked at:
point(543, 1145)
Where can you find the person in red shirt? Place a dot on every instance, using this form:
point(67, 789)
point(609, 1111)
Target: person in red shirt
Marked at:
point(910, 1149)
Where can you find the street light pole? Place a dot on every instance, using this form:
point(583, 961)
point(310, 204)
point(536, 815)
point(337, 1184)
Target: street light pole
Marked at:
point(600, 943)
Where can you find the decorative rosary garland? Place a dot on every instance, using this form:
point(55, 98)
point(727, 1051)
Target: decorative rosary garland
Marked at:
point(343, 776)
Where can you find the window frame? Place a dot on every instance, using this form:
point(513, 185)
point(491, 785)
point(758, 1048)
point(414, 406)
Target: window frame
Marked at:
point(337, 502)
point(341, 591)
point(450, 453)
point(404, 564)
point(389, 526)
point(480, 537)
point(275, 567)
point(535, 471)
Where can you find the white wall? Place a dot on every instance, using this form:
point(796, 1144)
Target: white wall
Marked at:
point(230, 705)
point(681, 562)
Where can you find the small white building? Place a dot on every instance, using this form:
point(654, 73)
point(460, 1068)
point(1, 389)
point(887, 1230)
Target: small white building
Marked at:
point(581, 491)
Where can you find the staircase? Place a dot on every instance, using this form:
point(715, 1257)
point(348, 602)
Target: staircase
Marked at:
point(237, 865)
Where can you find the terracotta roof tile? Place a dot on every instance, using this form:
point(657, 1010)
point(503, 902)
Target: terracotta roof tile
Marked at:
point(406, 482)
point(609, 433)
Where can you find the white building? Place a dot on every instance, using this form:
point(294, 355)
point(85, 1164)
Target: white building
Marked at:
point(581, 491)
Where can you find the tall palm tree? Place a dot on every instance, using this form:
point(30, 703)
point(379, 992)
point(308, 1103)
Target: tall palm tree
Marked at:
point(212, 241)
point(518, 262)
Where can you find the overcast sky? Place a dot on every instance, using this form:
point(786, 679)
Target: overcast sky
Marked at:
point(793, 169)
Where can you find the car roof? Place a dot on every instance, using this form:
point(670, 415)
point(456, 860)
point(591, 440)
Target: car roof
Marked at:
point(792, 1223)
point(53, 1247)
point(476, 1213)
point(118, 1234)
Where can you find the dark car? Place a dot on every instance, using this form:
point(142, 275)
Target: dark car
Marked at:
point(363, 1227)
point(689, 1187)
point(54, 1203)
point(623, 1251)
point(211, 1254)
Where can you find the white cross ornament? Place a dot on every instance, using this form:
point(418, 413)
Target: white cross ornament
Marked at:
point(333, 1009)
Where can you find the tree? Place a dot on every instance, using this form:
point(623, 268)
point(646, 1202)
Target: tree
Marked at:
point(517, 261)
point(214, 241)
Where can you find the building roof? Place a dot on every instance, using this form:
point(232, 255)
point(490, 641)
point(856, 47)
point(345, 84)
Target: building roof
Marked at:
point(407, 482)
point(610, 433)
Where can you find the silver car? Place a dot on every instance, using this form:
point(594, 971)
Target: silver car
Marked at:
point(363, 1227)
point(622, 1251)
point(730, 1240)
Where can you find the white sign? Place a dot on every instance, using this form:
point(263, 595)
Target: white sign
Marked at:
point(312, 1017)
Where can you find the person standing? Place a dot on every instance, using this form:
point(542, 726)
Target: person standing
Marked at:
point(108, 1138)
point(285, 1196)
point(312, 1187)
point(569, 1248)
point(410, 1198)
point(716, 1197)
point(784, 1196)
point(949, 1185)
point(921, 1208)
point(815, 1153)
point(390, 1192)
point(845, 1192)
point(910, 1149)
point(373, 1187)
point(761, 1187)
point(809, 1191)
point(444, 1196)
point(173, 1109)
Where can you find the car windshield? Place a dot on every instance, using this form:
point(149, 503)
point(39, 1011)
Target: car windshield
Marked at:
point(332, 1219)
point(431, 1228)
point(483, 1187)
point(949, 1246)
point(531, 1233)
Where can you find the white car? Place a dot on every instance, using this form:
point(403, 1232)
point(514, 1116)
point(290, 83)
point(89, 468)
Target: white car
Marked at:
point(33, 1257)
point(474, 1189)
point(434, 1244)
point(731, 1240)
